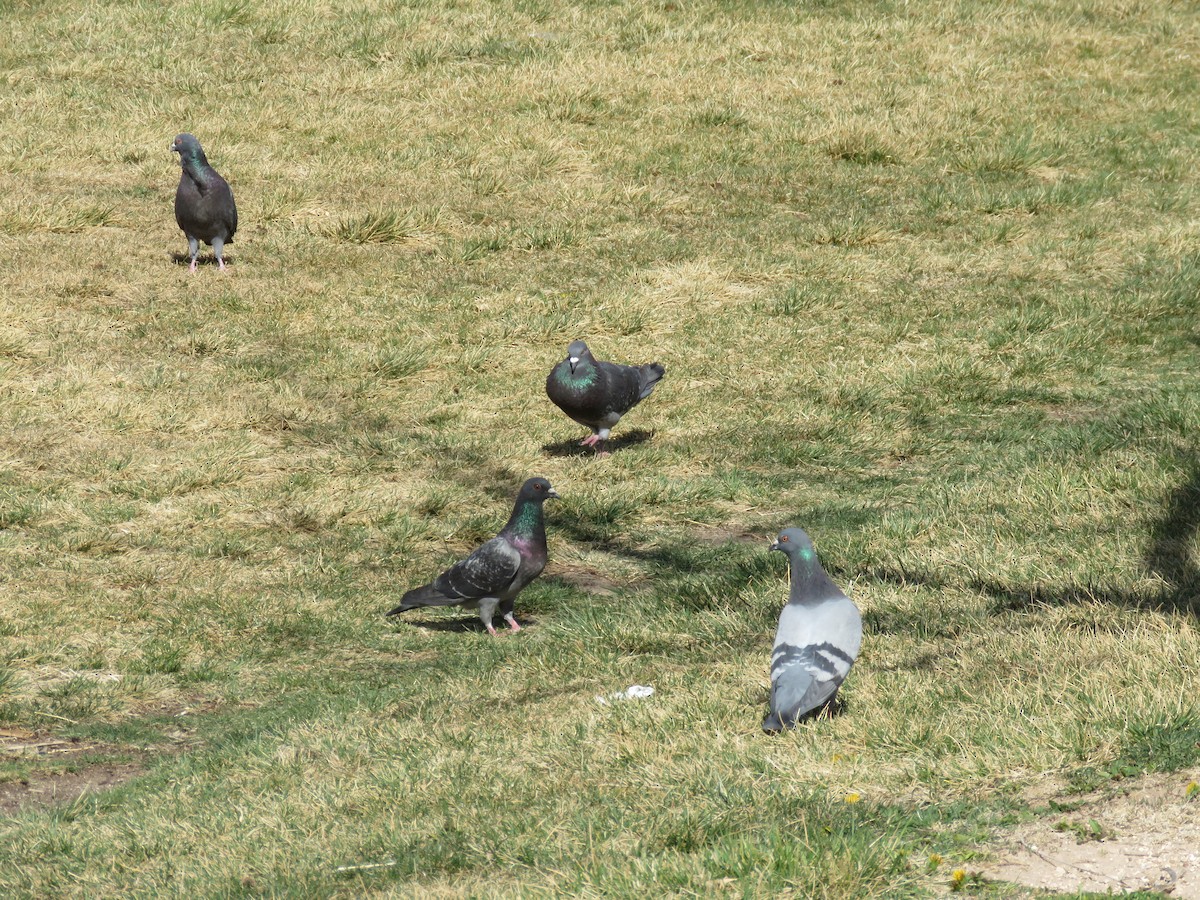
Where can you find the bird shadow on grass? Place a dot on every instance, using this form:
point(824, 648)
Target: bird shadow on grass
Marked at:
point(471, 469)
point(831, 709)
point(204, 259)
point(463, 624)
point(574, 448)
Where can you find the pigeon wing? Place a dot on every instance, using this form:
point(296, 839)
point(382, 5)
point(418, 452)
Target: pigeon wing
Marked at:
point(485, 573)
point(206, 210)
point(814, 650)
point(219, 209)
point(622, 387)
point(230, 209)
point(806, 678)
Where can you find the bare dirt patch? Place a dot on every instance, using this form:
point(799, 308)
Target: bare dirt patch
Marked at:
point(63, 787)
point(591, 581)
point(1141, 835)
point(48, 788)
point(718, 534)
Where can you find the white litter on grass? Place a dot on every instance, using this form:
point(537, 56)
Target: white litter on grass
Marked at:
point(633, 692)
point(362, 866)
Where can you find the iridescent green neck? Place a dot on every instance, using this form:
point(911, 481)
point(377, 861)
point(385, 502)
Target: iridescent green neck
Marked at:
point(195, 164)
point(583, 376)
point(527, 520)
point(806, 569)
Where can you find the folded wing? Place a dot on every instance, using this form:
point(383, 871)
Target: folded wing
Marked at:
point(488, 572)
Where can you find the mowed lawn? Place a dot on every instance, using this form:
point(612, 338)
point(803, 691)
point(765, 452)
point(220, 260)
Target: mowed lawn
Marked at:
point(924, 278)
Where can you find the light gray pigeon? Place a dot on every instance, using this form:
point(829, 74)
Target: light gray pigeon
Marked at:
point(204, 205)
point(597, 393)
point(817, 641)
point(497, 571)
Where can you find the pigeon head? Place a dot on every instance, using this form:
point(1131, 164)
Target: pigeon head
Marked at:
point(188, 148)
point(795, 544)
point(537, 490)
point(575, 352)
point(526, 521)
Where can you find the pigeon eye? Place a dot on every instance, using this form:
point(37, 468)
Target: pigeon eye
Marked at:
point(784, 539)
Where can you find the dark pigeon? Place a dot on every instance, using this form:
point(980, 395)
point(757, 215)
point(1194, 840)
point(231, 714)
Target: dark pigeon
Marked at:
point(204, 205)
point(819, 634)
point(495, 573)
point(597, 393)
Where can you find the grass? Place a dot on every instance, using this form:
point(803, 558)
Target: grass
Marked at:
point(924, 281)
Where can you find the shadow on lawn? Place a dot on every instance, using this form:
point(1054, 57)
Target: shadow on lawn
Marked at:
point(204, 259)
point(472, 469)
point(458, 621)
point(612, 445)
point(1169, 555)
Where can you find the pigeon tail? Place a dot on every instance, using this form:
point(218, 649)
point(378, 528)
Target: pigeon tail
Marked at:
point(426, 595)
point(649, 375)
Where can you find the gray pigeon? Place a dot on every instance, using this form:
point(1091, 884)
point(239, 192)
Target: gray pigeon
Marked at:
point(817, 641)
point(597, 393)
point(497, 571)
point(204, 205)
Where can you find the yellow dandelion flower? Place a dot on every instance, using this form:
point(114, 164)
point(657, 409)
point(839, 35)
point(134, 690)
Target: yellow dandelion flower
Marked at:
point(958, 878)
point(852, 798)
point(935, 860)
point(1191, 790)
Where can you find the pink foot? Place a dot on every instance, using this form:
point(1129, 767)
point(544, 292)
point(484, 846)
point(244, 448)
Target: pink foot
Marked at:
point(221, 264)
point(590, 441)
point(192, 267)
point(491, 630)
point(512, 623)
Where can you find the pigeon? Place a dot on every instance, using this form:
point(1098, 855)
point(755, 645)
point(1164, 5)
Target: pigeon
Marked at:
point(204, 205)
point(820, 631)
point(597, 393)
point(497, 571)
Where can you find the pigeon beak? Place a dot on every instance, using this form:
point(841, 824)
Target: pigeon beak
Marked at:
point(774, 545)
point(574, 361)
point(552, 493)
